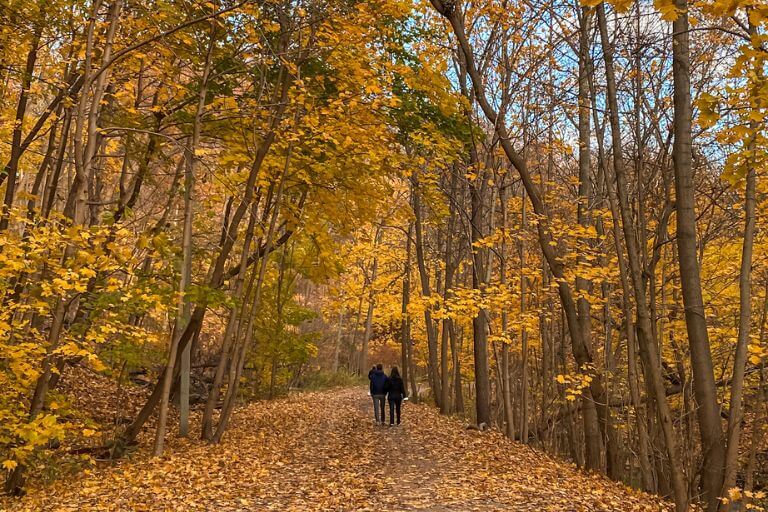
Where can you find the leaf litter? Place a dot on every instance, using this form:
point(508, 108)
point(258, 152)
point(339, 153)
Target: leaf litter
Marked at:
point(320, 451)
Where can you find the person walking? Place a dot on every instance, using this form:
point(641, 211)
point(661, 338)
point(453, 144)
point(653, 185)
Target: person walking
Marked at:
point(378, 385)
point(370, 384)
point(395, 388)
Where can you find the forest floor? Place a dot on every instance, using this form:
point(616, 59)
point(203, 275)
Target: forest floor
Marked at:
point(321, 451)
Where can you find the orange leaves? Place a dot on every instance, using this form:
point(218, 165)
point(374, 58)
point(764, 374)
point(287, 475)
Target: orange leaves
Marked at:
point(319, 451)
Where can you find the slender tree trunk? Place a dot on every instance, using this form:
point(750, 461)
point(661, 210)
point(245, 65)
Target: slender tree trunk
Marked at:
point(648, 349)
point(450, 268)
point(11, 170)
point(363, 368)
point(480, 319)
point(337, 345)
point(506, 379)
point(184, 308)
point(458, 390)
point(736, 415)
point(432, 363)
point(705, 391)
point(760, 412)
point(405, 323)
point(523, 333)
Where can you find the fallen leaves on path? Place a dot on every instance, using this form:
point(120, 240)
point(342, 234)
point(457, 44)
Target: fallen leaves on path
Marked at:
point(320, 451)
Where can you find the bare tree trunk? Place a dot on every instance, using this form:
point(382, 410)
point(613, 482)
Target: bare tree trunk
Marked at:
point(432, 363)
point(11, 169)
point(458, 390)
point(708, 408)
point(337, 346)
point(405, 322)
point(648, 348)
point(523, 334)
point(450, 269)
point(506, 380)
point(363, 368)
point(736, 415)
point(762, 398)
point(480, 319)
point(184, 308)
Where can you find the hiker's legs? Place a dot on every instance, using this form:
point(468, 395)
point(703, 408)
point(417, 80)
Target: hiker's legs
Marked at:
point(398, 403)
point(392, 412)
point(376, 408)
point(382, 399)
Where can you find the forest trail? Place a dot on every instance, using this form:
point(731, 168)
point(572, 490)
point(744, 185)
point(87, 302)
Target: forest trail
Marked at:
point(321, 451)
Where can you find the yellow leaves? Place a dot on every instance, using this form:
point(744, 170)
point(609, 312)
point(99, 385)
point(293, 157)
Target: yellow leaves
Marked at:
point(751, 500)
point(757, 353)
point(87, 432)
point(735, 169)
point(758, 14)
point(576, 383)
point(10, 464)
point(622, 6)
point(708, 114)
point(719, 8)
point(667, 9)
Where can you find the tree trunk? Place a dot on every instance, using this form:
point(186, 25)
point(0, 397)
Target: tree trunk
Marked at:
point(11, 169)
point(736, 415)
point(363, 368)
point(184, 307)
point(648, 348)
point(506, 379)
point(708, 408)
point(580, 340)
point(432, 363)
point(760, 412)
point(405, 323)
point(480, 319)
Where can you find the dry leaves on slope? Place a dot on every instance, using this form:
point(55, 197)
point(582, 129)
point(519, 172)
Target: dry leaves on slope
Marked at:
point(320, 451)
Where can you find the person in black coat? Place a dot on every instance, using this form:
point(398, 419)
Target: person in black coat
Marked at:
point(395, 388)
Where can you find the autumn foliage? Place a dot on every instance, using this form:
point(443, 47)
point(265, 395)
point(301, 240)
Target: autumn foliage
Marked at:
point(548, 215)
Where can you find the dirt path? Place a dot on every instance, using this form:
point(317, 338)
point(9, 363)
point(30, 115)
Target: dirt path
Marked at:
point(321, 451)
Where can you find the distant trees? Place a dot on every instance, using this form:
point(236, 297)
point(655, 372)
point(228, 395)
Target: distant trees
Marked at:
point(576, 177)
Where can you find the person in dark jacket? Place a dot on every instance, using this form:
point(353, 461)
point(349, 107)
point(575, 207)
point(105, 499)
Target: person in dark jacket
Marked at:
point(395, 388)
point(370, 384)
point(378, 393)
